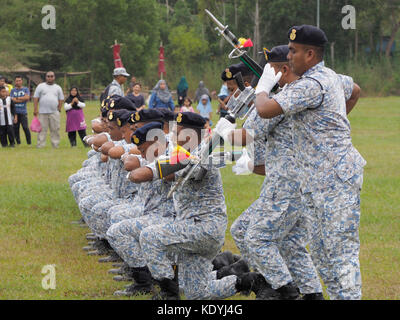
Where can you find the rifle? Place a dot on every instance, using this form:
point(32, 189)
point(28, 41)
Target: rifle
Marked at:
point(240, 107)
point(236, 52)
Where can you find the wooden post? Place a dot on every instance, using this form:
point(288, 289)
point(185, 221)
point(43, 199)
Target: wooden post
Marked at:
point(91, 85)
point(333, 54)
point(65, 83)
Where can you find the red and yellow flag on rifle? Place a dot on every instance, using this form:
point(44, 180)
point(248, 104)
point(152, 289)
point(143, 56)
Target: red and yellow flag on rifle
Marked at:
point(178, 155)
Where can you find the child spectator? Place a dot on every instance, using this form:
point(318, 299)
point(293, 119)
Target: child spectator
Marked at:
point(7, 118)
point(187, 105)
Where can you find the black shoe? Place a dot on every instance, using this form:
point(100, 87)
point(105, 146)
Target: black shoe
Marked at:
point(238, 268)
point(313, 296)
point(223, 259)
point(169, 290)
point(289, 292)
point(102, 248)
point(251, 281)
point(80, 221)
point(113, 257)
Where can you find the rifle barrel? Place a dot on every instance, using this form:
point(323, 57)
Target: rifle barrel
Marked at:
point(213, 18)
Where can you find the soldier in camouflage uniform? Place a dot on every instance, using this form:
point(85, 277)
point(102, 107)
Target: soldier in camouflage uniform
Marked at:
point(329, 167)
point(157, 209)
point(196, 235)
point(271, 233)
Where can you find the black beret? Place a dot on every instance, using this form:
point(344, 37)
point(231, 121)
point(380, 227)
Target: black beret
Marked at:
point(140, 135)
point(121, 116)
point(168, 115)
point(118, 102)
point(190, 120)
point(309, 35)
point(104, 111)
point(146, 115)
point(277, 54)
point(229, 72)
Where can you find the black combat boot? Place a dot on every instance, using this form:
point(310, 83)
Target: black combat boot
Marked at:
point(101, 248)
point(238, 268)
point(289, 292)
point(113, 257)
point(169, 290)
point(313, 296)
point(142, 285)
point(223, 259)
point(254, 281)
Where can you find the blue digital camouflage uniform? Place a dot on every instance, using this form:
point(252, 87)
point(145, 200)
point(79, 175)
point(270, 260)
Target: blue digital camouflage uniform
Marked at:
point(330, 171)
point(272, 233)
point(133, 194)
point(107, 192)
point(122, 194)
point(196, 236)
point(157, 209)
point(259, 127)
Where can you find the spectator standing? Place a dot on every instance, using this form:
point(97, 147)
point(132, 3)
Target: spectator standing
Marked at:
point(7, 118)
point(115, 87)
point(161, 97)
point(75, 118)
point(20, 96)
point(136, 97)
point(131, 85)
point(182, 90)
point(223, 98)
point(47, 103)
point(200, 91)
point(205, 109)
point(4, 84)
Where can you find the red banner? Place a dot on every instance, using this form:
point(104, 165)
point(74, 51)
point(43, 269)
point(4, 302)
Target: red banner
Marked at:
point(161, 64)
point(117, 57)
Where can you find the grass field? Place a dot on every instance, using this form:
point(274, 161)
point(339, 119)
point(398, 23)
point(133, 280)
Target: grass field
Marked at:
point(36, 207)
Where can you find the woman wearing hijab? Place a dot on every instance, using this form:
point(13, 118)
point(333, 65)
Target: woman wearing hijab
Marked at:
point(75, 117)
point(161, 97)
point(201, 90)
point(205, 109)
point(182, 90)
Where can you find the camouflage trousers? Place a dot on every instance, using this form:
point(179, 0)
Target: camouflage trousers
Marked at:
point(276, 238)
point(239, 229)
point(99, 220)
point(124, 237)
point(335, 244)
point(80, 175)
point(196, 243)
point(130, 210)
point(86, 204)
point(85, 187)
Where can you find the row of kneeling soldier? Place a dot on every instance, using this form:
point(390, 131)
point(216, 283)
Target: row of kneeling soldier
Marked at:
point(300, 138)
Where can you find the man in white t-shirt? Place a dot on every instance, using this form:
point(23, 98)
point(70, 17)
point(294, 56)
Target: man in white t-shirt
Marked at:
point(48, 100)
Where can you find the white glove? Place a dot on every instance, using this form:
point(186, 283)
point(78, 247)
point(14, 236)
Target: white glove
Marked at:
point(242, 164)
point(268, 80)
point(224, 127)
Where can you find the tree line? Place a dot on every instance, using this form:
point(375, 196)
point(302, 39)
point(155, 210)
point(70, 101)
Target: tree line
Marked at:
point(86, 29)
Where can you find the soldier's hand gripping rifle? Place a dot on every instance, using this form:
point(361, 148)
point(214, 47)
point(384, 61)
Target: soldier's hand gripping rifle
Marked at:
point(237, 52)
point(238, 107)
